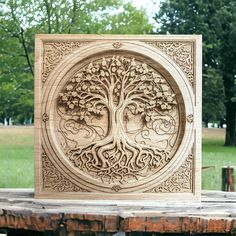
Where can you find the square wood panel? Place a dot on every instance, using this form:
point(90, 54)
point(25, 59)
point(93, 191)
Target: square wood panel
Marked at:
point(118, 117)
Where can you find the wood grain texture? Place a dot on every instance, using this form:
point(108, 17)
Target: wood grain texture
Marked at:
point(118, 117)
point(214, 214)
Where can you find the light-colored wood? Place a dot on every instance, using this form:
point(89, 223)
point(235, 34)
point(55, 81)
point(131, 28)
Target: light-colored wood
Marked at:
point(214, 214)
point(118, 117)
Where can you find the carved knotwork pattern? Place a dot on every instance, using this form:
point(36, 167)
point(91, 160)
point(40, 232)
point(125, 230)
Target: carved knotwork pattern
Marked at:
point(54, 52)
point(116, 188)
point(118, 120)
point(189, 118)
point(53, 180)
point(180, 181)
point(117, 45)
point(181, 53)
point(45, 117)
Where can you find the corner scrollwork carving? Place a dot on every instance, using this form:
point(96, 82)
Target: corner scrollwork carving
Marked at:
point(180, 181)
point(53, 180)
point(54, 52)
point(181, 53)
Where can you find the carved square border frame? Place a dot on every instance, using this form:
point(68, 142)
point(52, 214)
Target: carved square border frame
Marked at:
point(177, 57)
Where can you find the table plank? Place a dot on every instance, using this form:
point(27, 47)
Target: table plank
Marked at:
point(215, 213)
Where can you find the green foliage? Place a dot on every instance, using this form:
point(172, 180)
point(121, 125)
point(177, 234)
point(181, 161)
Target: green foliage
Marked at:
point(216, 156)
point(126, 23)
point(216, 21)
point(213, 97)
point(20, 20)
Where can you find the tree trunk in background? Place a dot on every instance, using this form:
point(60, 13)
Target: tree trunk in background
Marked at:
point(221, 123)
point(230, 139)
point(228, 179)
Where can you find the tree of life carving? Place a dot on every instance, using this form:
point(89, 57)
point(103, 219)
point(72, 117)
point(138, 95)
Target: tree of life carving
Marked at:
point(118, 120)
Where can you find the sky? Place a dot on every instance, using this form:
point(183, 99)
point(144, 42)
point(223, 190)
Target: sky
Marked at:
point(151, 7)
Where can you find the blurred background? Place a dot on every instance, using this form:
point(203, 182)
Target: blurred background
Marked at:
point(20, 20)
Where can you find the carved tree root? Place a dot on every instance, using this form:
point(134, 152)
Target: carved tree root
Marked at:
point(116, 160)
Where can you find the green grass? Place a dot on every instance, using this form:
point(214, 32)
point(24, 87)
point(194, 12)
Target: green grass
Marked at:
point(216, 155)
point(17, 158)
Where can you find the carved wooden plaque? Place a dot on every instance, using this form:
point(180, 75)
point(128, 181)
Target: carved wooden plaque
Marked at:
point(118, 117)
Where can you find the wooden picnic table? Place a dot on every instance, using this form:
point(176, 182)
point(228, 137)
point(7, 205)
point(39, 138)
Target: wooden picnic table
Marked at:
point(216, 213)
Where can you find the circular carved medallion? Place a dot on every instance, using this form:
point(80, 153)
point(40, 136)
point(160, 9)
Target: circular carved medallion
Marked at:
point(118, 120)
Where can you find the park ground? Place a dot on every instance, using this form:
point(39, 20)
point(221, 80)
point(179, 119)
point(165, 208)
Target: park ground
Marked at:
point(17, 157)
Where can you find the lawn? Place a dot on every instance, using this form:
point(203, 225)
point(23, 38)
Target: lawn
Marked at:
point(216, 155)
point(17, 154)
point(16, 157)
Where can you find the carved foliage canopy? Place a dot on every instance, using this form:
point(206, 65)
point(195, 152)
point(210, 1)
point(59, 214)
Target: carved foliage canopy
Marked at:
point(118, 121)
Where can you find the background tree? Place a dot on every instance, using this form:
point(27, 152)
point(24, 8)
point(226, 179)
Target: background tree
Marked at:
point(20, 20)
point(213, 109)
point(215, 20)
point(16, 78)
point(225, 26)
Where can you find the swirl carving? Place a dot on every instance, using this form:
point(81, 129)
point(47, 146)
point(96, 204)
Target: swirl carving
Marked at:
point(181, 53)
point(118, 120)
point(54, 181)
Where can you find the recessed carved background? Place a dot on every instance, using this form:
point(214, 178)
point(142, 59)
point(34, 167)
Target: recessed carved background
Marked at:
point(116, 117)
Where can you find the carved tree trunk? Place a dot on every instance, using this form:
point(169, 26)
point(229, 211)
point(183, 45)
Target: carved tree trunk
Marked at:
point(116, 123)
